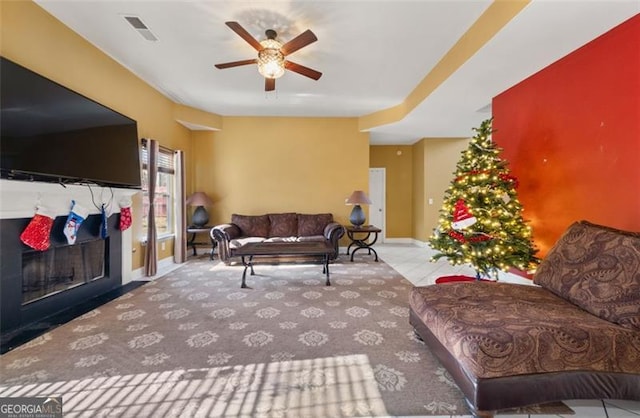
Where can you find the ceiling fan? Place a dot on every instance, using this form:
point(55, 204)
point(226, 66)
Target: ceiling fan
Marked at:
point(271, 55)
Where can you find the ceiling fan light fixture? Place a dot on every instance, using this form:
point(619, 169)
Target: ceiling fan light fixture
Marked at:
point(270, 59)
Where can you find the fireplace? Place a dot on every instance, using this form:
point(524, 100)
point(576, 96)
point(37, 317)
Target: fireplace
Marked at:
point(37, 285)
point(45, 273)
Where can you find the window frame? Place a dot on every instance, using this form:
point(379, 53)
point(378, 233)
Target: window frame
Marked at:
point(166, 178)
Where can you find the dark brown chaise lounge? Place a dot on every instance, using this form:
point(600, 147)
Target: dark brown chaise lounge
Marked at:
point(574, 336)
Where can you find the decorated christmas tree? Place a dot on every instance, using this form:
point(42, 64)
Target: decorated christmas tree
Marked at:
point(481, 218)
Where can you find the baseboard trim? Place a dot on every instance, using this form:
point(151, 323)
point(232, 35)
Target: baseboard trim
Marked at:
point(422, 244)
point(166, 265)
point(411, 241)
point(398, 241)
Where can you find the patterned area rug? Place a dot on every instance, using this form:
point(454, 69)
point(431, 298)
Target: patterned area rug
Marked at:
point(193, 343)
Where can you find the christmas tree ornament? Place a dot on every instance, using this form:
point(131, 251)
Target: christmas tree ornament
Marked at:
point(458, 236)
point(36, 234)
point(509, 178)
point(125, 213)
point(76, 216)
point(462, 217)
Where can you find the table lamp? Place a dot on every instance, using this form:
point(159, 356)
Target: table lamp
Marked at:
point(200, 216)
point(357, 198)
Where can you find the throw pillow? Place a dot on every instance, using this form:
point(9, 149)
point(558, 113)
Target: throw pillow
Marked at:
point(598, 269)
point(313, 224)
point(283, 225)
point(252, 226)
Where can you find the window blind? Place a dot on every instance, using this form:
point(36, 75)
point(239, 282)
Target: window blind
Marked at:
point(165, 159)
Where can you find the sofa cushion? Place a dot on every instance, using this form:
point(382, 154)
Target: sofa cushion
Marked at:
point(283, 224)
point(598, 269)
point(313, 224)
point(239, 242)
point(252, 226)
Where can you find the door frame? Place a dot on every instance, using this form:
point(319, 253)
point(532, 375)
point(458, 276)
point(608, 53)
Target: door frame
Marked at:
point(383, 226)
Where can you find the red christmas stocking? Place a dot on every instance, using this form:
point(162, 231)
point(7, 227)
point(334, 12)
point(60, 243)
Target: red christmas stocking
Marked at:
point(36, 234)
point(125, 214)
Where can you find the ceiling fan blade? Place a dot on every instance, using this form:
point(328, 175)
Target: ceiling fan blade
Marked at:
point(235, 26)
point(269, 84)
point(305, 38)
point(236, 63)
point(301, 69)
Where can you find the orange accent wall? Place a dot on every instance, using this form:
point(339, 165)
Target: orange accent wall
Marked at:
point(571, 133)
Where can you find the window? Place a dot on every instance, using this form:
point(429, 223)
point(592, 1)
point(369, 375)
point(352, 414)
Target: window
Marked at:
point(164, 198)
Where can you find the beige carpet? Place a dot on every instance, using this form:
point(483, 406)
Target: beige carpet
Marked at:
point(194, 344)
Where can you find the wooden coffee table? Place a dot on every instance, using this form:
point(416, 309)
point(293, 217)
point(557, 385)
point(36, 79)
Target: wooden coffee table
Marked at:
point(290, 249)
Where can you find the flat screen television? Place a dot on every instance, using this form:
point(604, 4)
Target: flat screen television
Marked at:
point(51, 133)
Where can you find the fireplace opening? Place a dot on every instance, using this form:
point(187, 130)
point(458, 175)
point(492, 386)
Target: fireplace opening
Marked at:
point(45, 273)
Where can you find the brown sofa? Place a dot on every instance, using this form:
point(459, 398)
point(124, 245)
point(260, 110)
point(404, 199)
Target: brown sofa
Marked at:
point(574, 336)
point(275, 227)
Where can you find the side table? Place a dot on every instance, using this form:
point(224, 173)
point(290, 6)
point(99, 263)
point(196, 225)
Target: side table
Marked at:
point(194, 231)
point(359, 236)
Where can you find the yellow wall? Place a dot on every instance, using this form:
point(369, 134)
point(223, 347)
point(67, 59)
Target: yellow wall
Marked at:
point(36, 40)
point(398, 164)
point(423, 171)
point(434, 162)
point(257, 165)
point(419, 199)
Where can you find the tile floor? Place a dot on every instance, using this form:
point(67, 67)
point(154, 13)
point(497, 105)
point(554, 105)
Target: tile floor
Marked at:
point(412, 262)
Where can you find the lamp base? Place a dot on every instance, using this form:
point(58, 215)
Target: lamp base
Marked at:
point(200, 217)
point(357, 217)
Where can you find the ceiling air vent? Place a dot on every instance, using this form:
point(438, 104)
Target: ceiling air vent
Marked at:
point(141, 28)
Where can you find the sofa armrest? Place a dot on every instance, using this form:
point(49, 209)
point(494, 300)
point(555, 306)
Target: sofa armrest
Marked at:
point(333, 232)
point(223, 234)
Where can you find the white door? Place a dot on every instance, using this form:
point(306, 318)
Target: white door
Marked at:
point(377, 210)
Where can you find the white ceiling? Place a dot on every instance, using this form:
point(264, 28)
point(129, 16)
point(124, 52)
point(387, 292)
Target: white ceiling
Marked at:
point(372, 53)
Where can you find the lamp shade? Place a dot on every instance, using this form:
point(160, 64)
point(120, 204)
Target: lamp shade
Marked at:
point(199, 199)
point(358, 197)
point(200, 215)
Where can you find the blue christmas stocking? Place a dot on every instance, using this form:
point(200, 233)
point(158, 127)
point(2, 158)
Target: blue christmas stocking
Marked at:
point(77, 215)
point(104, 232)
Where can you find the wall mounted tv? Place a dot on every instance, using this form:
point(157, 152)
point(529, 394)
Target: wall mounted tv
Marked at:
point(53, 134)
